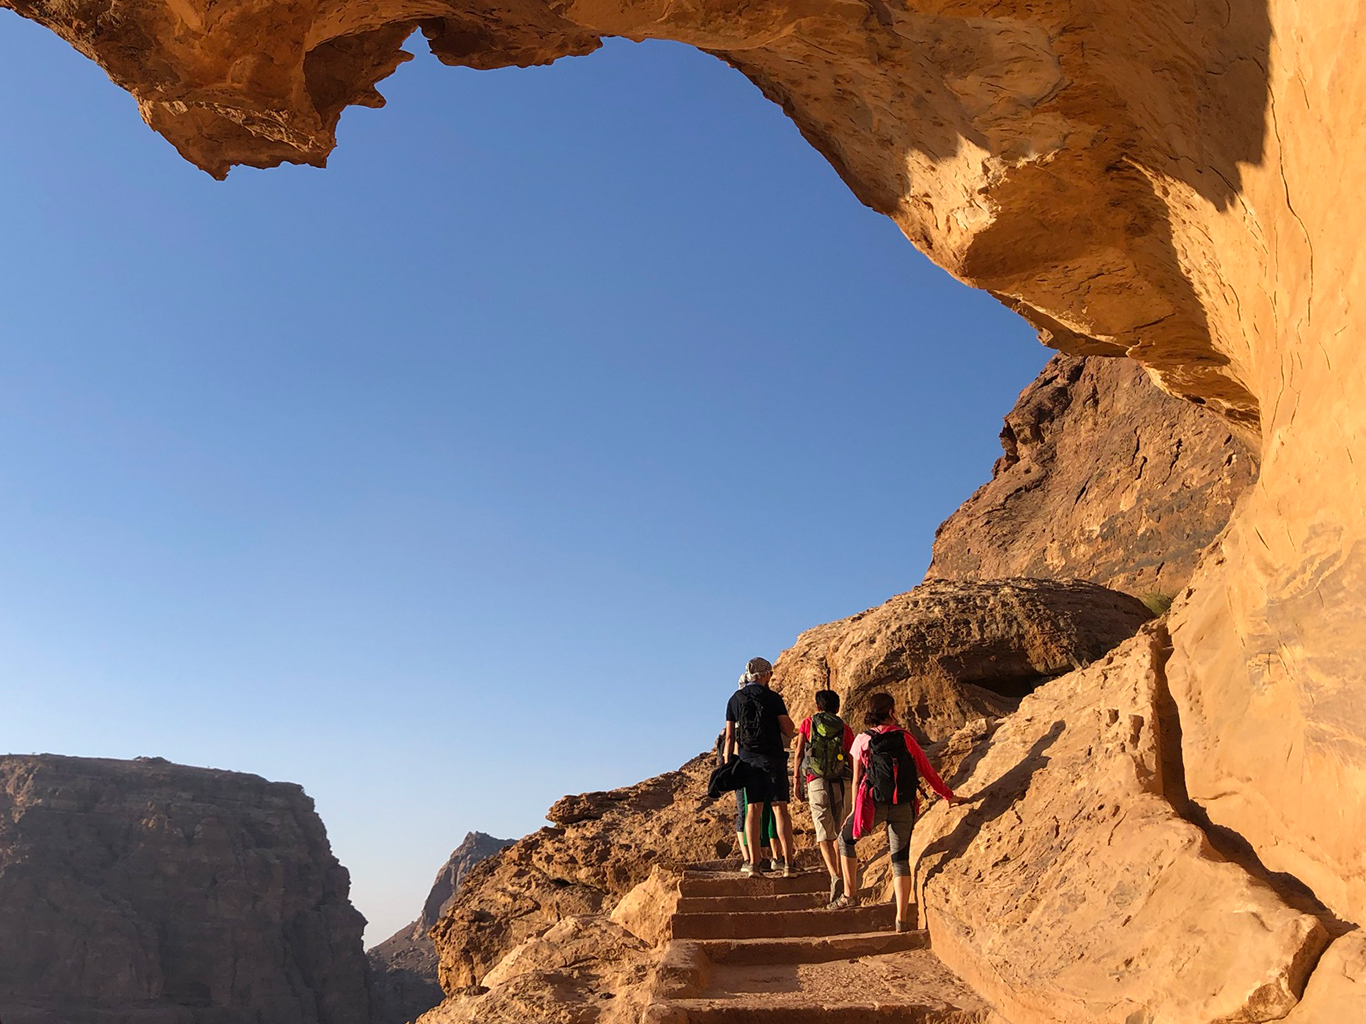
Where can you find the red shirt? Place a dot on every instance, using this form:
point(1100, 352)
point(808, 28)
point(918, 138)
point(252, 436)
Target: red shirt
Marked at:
point(805, 730)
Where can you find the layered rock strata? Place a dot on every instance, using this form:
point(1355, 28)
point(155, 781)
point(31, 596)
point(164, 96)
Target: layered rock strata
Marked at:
point(1103, 477)
point(403, 968)
point(171, 895)
point(953, 652)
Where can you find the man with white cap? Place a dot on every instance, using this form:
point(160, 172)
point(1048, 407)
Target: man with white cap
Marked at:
point(757, 725)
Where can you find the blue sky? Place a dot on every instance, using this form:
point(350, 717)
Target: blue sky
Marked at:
point(557, 396)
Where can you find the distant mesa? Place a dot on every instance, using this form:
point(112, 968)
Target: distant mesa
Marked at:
point(171, 895)
point(151, 891)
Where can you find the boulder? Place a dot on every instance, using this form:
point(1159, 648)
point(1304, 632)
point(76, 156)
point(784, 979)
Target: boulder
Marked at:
point(647, 910)
point(583, 970)
point(171, 894)
point(951, 652)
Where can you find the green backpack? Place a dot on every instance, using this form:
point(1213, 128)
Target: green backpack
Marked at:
point(825, 757)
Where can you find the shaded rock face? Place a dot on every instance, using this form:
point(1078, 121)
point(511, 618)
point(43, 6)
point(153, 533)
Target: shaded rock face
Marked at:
point(1104, 478)
point(170, 895)
point(403, 968)
point(952, 652)
point(601, 846)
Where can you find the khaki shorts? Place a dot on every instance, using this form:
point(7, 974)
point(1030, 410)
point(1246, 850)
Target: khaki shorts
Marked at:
point(826, 797)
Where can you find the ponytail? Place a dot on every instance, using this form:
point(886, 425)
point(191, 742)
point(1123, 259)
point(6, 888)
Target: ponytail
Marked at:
point(879, 712)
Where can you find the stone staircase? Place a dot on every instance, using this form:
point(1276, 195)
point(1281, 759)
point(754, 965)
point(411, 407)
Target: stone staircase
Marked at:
point(766, 951)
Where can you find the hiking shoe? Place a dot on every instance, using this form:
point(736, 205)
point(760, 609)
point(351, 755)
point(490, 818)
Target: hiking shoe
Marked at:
point(904, 926)
point(789, 871)
point(836, 889)
point(777, 865)
point(748, 870)
point(843, 902)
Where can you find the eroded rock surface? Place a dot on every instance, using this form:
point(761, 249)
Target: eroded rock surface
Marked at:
point(951, 652)
point(403, 968)
point(1068, 889)
point(1104, 477)
point(171, 895)
point(602, 846)
point(1337, 988)
point(583, 970)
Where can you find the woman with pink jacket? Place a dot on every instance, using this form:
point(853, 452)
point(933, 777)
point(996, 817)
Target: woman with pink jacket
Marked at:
point(887, 765)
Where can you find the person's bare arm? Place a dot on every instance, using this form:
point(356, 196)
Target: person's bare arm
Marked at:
point(798, 789)
point(729, 747)
point(786, 727)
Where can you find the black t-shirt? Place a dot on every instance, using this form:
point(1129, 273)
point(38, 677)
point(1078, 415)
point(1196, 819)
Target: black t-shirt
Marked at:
point(771, 736)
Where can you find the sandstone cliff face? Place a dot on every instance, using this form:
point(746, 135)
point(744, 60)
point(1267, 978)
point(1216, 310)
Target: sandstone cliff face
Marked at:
point(403, 968)
point(170, 895)
point(952, 652)
point(1104, 478)
point(474, 848)
point(1164, 181)
point(1069, 889)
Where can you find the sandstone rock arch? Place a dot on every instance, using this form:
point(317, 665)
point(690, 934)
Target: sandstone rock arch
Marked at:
point(1176, 181)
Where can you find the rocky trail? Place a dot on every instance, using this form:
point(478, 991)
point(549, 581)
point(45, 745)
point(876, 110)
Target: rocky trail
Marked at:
point(766, 951)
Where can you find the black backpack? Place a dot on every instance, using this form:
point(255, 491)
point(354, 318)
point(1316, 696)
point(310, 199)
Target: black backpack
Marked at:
point(892, 777)
point(825, 756)
point(751, 726)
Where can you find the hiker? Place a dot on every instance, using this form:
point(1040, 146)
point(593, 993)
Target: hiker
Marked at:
point(821, 773)
point(757, 724)
point(770, 827)
point(887, 764)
